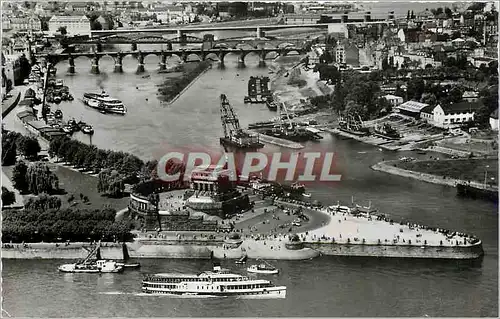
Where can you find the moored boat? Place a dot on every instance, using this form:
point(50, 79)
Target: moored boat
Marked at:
point(87, 129)
point(92, 264)
point(219, 282)
point(262, 269)
point(58, 114)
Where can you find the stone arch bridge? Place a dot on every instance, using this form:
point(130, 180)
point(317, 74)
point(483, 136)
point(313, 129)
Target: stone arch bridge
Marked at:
point(163, 55)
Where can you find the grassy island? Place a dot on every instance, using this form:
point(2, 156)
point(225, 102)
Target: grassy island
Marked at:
point(174, 86)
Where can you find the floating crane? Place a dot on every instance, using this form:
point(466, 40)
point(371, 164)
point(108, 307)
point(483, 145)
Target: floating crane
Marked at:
point(233, 134)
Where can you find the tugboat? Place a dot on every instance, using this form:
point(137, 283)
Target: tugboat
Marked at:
point(271, 105)
point(263, 268)
point(92, 264)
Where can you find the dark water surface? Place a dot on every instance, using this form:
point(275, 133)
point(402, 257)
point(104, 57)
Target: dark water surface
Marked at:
point(322, 287)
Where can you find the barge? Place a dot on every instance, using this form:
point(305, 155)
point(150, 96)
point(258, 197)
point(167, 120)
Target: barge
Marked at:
point(258, 90)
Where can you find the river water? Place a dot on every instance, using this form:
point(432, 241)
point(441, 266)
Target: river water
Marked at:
point(325, 286)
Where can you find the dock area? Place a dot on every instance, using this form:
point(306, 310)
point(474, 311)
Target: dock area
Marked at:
point(277, 141)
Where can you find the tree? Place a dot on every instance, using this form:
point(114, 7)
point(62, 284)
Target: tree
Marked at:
point(41, 179)
point(448, 12)
point(110, 182)
point(19, 176)
point(42, 203)
point(29, 147)
point(415, 88)
point(95, 25)
point(9, 149)
point(8, 197)
point(63, 30)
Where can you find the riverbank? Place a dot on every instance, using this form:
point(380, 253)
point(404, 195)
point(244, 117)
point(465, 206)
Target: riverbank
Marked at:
point(445, 172)
point(173, 88)
point(10, 103)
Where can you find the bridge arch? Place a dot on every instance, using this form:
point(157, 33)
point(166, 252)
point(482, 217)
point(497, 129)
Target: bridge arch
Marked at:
point(212, 56)
point(189, 57)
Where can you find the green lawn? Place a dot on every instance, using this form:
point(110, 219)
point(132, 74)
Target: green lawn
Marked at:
point(466, 169)
point(74, 183)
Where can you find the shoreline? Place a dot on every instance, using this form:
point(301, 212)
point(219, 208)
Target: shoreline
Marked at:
point(386, 167)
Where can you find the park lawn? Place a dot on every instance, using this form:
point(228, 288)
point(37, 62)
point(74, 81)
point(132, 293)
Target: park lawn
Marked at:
point(74, 183)
point(465, 169)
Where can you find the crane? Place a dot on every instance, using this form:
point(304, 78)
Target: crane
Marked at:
point(230, 123)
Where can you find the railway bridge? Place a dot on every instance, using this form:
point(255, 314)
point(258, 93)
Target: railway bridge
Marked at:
point(118, 56)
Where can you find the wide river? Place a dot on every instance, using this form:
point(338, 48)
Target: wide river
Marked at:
point(322, 287)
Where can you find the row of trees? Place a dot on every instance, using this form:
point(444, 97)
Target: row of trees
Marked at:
point(35, 178)
point(52, 225)
point(93, 159)
point(14, 143)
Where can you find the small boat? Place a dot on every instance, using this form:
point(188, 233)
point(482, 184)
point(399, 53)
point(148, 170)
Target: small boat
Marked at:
point(421, 152)
point(70, 97)
point(242, 260)
point(57, 99)
point(58, 114)
point(307, 195)
point(262, 269)
point(87, 129)
point(74, 125)
point(146, 76)
point(130, 266)
point(92, 264)
point(81, 124)
point(247, 99)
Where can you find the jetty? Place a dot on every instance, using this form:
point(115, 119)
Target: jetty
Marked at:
point(278, 141)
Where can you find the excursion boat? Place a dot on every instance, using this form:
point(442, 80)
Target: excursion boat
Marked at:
point(92, 264)
point(104, 103)
point(262, 269)
point(219, 282)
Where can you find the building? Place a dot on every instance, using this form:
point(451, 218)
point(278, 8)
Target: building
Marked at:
point(74, 24)
point(470, 96)
point(411, 108)
point(427, 114)
point(454, 114)
point(494, 120)
point(22, 24)
point(347, 53)
point(393, 99)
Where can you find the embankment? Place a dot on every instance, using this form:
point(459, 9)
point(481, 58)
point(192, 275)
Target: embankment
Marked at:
point(9, 104)
point(51, 251)
point(399, 251)
point(388, 167)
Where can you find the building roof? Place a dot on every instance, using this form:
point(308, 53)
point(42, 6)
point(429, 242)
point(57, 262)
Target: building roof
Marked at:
point(428, 109)
point(391, 96)
point(462, 107)
point(412, 106)
point(63, 19)
point(494, 115)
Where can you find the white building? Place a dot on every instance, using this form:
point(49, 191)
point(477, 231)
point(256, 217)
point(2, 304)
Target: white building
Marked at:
point(393, 99)
point(455, 114)
point(494, 120)
point(74, 24)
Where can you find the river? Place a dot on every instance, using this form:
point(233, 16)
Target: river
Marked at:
point(322, 287)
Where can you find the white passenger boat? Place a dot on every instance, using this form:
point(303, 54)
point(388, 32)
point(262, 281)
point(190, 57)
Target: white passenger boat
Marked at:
point(219, 282)
point(262, 269)
point(104, 103)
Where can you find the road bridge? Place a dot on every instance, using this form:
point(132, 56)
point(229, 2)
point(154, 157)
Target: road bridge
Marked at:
point(118, 56)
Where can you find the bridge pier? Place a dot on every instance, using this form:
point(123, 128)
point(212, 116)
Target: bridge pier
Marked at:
point(133, 46)
point(140, 65)
point(118, 64)
point(163, 61)
point(169, 46)
point(221, 56)
point(98, 47)
point(95, 65)
point(262, 59)
point(241, 60)
point(71, 68)
point(260, 33)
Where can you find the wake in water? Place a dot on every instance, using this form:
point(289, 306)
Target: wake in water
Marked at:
point(159, 295)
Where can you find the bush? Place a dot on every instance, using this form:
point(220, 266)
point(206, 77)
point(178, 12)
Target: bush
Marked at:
point(8, 197)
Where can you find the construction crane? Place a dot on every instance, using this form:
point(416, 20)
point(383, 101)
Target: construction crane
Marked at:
point(230, 123)
point(233, 134)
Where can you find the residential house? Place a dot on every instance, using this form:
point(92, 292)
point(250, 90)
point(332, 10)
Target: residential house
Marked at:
point(31, 23)
point(78, 6)
point(74, 24)
point(103, 22)
point(411, 108)
point(427, 114)
point(477, 61)
point(393, 99)
point(346, 52)
point(455, 114)
point(470, 96)
point(494, 120)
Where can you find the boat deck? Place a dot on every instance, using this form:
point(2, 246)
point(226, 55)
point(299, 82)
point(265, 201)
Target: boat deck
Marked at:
point(343, 226)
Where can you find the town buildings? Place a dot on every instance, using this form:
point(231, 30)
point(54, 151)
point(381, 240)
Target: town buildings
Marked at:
point(393, 99)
